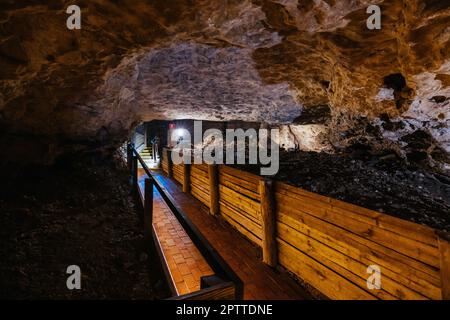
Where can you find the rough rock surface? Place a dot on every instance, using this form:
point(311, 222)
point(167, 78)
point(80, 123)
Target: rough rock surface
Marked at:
point(381, 183)
point(65, 91)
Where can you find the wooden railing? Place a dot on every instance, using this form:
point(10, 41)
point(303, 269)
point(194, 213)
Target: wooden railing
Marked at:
point(328, 243)
point(226, 284)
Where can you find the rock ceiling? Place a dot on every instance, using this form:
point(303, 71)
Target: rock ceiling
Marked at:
point(307, 63)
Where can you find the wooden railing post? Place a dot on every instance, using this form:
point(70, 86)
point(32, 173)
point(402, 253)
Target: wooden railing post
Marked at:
point(135, 172)
point(169, 163)
point(268, 221)
point(213, 174)
point(187, 178)
point(444, 249)
point(148, 204)
point(129, 157)
point(153, 152)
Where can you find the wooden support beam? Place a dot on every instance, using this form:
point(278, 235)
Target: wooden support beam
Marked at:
point(187, 178)
point(444, 249)
point(213, 174)
point(148, 204)
point(269, 243)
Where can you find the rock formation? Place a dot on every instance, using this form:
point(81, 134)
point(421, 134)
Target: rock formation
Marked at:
point(310, 66)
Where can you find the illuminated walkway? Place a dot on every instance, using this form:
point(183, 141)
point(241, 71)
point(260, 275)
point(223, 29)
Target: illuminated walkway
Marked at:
point(185, 263)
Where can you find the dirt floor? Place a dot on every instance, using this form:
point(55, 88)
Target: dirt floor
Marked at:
point(379, 182)
point(78, 214)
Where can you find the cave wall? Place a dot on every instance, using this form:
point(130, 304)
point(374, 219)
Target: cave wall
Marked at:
point(311, 67)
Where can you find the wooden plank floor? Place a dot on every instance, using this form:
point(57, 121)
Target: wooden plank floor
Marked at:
point(185, 262)
point(260, 281)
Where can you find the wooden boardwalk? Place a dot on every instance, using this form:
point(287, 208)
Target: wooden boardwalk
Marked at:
point(185, 262)
point(260, 281)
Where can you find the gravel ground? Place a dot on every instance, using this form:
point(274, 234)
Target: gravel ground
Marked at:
point(379, 182)
point(78, 214)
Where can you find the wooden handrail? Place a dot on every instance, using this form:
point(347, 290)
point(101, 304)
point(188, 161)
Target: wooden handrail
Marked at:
point(216, 262)
point(217, 292)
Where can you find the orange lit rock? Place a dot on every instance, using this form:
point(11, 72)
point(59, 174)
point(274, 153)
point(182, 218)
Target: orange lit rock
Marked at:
point(262, 60)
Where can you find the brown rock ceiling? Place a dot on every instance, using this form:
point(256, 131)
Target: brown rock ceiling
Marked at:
point(65, 91)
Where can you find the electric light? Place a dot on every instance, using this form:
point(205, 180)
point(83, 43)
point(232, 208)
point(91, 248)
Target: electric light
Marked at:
point(180, 132)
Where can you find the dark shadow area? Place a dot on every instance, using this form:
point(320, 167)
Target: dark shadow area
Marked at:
point(395, 81)
point(76, 213)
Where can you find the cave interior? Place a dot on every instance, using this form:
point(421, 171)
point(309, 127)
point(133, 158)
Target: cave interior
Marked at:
point(362, 116)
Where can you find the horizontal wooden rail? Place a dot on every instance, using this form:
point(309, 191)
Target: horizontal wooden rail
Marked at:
point(215, 261)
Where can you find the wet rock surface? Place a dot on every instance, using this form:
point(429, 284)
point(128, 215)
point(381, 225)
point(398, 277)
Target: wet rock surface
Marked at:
point(378, 182)
point(78, 214)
